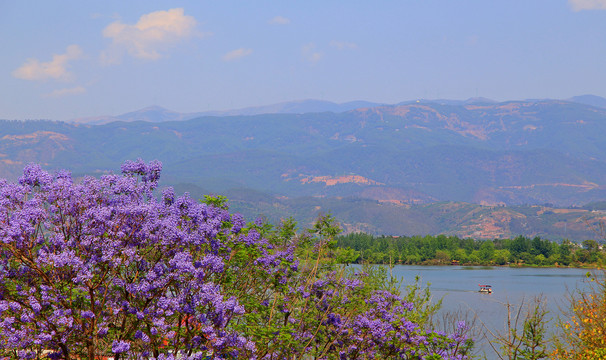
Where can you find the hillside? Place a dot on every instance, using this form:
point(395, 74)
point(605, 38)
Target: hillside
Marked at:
point(453, 218)
point(383, 217)
point(396, 156)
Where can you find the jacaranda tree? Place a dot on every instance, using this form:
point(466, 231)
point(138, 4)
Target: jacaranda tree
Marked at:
point(105, 268)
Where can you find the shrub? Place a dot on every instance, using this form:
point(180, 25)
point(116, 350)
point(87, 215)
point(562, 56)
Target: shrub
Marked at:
point(584, 333)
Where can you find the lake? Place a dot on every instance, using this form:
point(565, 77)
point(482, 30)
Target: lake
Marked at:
point(458, 286)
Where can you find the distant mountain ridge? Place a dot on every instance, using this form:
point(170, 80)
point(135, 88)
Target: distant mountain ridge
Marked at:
point(152, 114)
point(592, 100)
point(159, 114)
point(296, 107)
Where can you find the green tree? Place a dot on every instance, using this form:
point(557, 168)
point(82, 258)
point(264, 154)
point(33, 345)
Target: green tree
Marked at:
point(487, 251)
point(501, 257)
point(565, 252)
point(540, 246)
point(442, 256)
point(460, 255)
point(519, 245)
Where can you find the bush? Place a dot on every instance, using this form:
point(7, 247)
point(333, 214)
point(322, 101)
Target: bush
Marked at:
point(584, 333)
point(103, 268)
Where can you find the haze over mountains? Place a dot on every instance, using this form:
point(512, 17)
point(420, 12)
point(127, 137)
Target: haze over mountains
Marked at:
point(390, 162)
point(160, 114)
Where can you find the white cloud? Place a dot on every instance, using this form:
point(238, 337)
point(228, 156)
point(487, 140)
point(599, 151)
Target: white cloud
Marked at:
point(343, 45)
point(310, 54)
point(65, 92)
point(280, 20)
point(578, 5)
point(153, 33)
point(56, 69)
point(236, 54)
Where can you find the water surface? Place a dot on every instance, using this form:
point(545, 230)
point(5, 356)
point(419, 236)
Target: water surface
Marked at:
point(458, 287)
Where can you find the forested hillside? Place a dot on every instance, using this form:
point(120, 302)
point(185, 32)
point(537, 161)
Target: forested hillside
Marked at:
point(371, 165)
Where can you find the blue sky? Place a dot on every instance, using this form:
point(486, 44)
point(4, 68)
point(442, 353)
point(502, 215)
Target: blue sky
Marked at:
point(68, 59)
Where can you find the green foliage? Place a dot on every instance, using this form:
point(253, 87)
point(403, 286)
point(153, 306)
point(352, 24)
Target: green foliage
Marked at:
point(487, 251)
point(425, 307)
point(346, 255)
point(443, 250)
point(218, 201)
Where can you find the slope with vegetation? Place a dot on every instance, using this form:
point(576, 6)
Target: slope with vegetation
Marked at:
point(378, 166)
point(512, 153)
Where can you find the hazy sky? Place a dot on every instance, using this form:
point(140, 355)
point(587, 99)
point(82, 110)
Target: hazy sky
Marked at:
point(67, 59)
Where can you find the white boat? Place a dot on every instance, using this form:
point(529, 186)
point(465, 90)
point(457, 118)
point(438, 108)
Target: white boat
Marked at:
point(485, 289)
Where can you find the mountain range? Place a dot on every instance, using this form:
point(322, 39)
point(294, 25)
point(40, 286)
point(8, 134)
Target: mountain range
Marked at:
point(159, 114)
point(377, 165)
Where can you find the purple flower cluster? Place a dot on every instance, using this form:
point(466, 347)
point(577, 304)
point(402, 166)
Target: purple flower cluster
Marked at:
point(100, 267)
point(336, 317)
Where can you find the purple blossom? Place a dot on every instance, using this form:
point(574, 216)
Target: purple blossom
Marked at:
point(87, 314)
point(177, 272)
point(213, 263)
point(119, 346)
point(33, 175)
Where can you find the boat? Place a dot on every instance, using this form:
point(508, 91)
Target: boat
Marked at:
point(485, 289)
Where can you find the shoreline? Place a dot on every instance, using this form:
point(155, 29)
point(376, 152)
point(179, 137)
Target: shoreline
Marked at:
point(584, 266)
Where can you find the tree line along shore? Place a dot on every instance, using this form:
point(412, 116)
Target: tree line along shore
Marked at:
point(452, 250)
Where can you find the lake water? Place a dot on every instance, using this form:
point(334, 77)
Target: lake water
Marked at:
point(458, 286)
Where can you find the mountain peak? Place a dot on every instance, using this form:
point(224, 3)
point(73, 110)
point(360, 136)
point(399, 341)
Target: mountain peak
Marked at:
point(153, 108)
point(589, 99)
